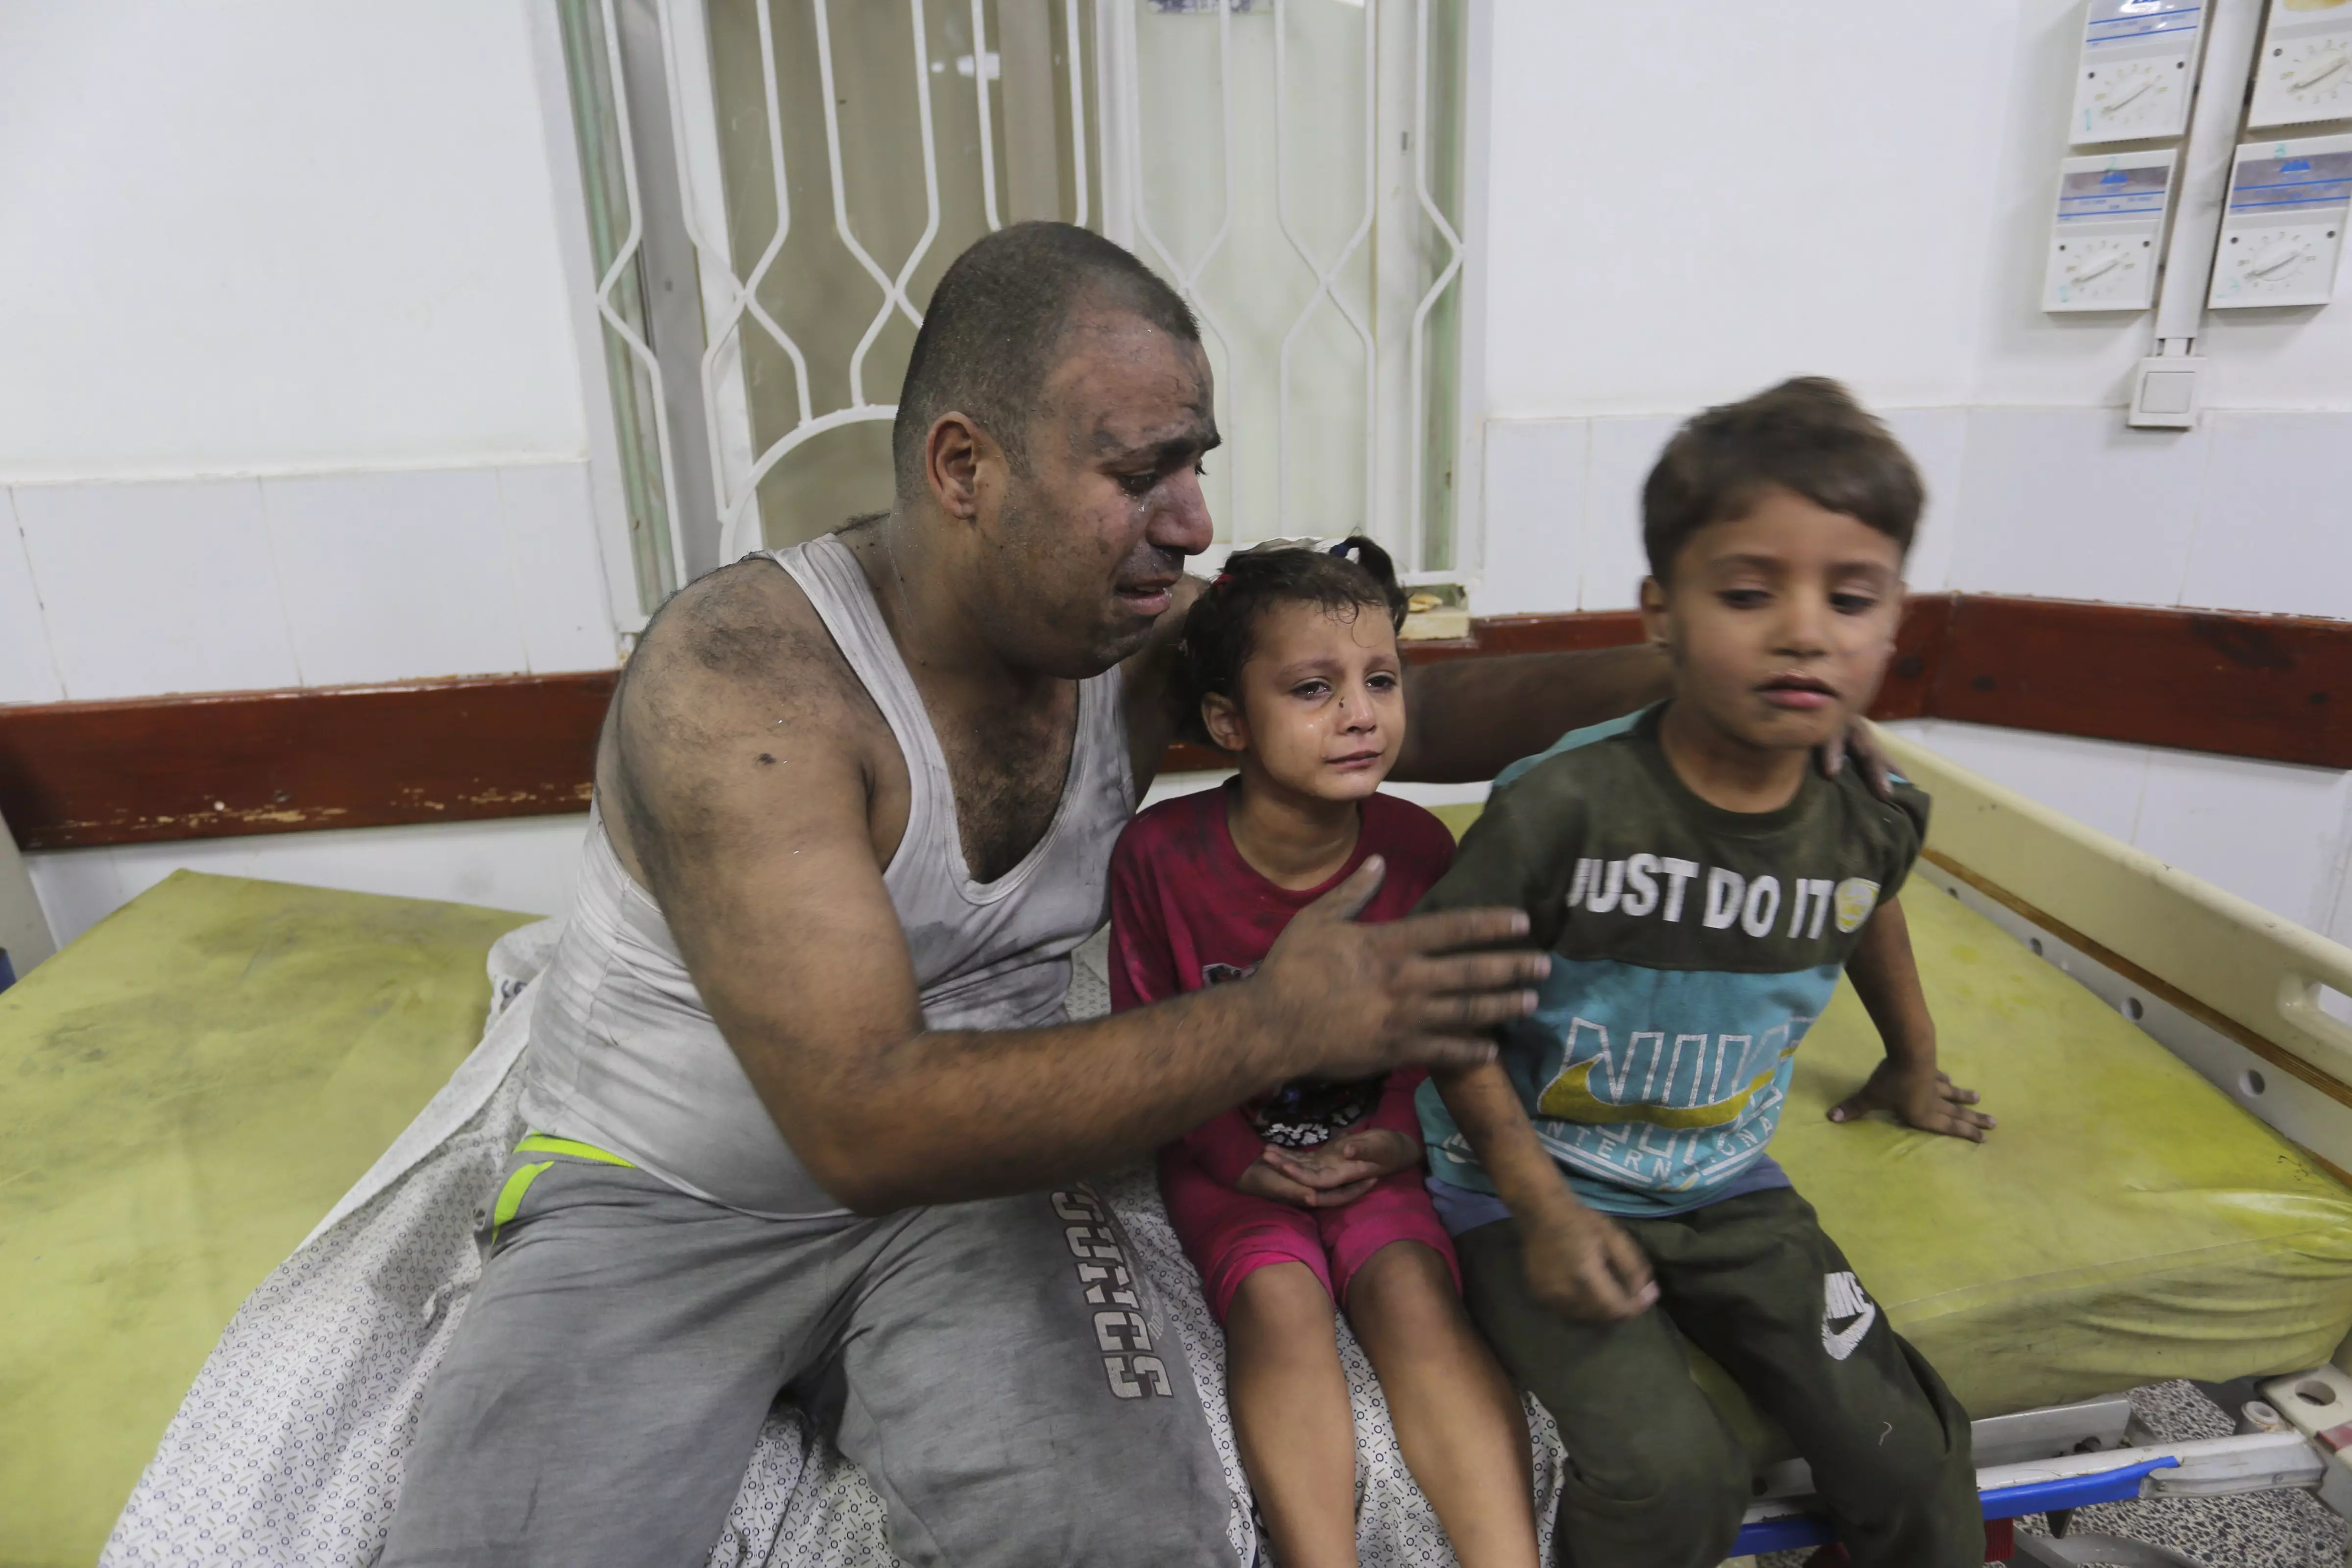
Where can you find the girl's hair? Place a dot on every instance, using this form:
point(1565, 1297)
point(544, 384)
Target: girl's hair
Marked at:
point(1220, 631)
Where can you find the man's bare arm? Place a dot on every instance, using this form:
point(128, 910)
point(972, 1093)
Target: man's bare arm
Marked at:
point(1467, 719)
point(745, 798)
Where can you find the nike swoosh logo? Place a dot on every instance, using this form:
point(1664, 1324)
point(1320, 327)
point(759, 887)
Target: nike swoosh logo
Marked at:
point(1842, 1344)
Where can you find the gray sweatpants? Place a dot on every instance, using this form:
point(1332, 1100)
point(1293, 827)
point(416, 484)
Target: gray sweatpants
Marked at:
point(996, 1369)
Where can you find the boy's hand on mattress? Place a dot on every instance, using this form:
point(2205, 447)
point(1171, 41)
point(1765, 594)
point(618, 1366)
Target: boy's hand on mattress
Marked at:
point(1263, 1180)
point(1860, 742)
point(1338, 1173)
point(1581, 1264)
point(1361, 1000)
point(1919, 1096)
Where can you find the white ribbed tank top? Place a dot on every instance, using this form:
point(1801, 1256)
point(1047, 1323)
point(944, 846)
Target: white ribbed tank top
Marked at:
point(624, 1054)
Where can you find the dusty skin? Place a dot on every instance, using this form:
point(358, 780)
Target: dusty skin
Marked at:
point(750, 784)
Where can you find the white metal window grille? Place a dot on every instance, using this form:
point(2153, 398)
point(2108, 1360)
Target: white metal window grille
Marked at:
point(774, 186)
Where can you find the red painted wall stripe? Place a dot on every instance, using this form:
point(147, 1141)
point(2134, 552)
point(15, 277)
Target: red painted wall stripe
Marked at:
point(80, 774)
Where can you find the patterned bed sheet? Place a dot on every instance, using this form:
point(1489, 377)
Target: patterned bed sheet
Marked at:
point(288, 1449)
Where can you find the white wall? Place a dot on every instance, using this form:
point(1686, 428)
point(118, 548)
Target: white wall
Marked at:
point(264, 237)
point(289, 394)
point(290, 397)
point(527, 863)
point(2278, 834)
point(1690, 201)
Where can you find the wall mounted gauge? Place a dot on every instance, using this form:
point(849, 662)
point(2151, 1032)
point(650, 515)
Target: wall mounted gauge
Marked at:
point(2283, 228)
point(2108, 232)
point(2137, 72)
point(2305, 70)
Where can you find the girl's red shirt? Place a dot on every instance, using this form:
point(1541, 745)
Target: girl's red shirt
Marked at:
point(1187, 911)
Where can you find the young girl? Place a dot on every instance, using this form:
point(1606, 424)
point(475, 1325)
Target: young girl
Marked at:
point(1313, 1194)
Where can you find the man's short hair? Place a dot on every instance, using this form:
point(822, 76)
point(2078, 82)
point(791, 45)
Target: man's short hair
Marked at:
point(988, 339)
point(1807, 435)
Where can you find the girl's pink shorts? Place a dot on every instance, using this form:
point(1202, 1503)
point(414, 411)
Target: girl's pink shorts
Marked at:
point(1227, 1234)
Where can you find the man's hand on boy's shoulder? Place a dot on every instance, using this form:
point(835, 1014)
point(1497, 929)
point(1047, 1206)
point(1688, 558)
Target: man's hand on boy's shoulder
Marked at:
point(1860, 744)
point(1583, 1264)
point(1919, 1096)
point(1360, 1000)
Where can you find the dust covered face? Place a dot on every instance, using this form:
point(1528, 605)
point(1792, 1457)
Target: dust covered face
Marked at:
point(1321, 701)
point(1089, 540)
point(1780, 621)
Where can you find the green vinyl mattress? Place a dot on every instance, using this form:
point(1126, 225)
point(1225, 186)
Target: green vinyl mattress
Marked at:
point(194, 1083)
point(187, 1090)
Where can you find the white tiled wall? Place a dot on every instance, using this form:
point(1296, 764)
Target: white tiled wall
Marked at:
point(29, 670)
point(2272, 833)
point(2245, 513)
point(553, 570)
point(383, 571)
point(158, 587)
point(141, 589)
point(526, 863)
point(2099, 783)
point(2269, 831)
point(1535, 477)
point(2275, 517)
point(1614, 564)
point(2072, 504)
point(224, 584)
point(1563, 499)
point(1937, 440)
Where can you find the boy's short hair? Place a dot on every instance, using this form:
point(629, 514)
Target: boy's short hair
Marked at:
point(1807, 435)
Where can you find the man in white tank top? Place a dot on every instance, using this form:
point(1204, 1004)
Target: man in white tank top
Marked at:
point(809, 1115)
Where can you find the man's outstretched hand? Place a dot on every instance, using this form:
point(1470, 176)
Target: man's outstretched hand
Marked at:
point(1360, 1000)
point(1919, 1097)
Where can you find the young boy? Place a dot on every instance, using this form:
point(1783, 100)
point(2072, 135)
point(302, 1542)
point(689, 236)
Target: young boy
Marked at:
point(1701, 886)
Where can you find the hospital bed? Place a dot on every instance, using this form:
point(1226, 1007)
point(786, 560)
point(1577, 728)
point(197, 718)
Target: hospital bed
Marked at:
point(2098, 1259)
point(192, 1085)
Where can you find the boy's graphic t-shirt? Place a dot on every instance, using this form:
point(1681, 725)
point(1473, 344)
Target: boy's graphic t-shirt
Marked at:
point(1187, 911)
point(1692, 948)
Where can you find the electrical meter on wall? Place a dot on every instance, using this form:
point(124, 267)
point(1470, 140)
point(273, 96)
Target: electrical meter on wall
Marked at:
point(2283, 228)
point(2108, 232)
point(2137, 72)
point(2305, 70)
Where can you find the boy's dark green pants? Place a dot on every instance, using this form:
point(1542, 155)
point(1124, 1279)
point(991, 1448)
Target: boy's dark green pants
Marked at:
point(1654, 1477)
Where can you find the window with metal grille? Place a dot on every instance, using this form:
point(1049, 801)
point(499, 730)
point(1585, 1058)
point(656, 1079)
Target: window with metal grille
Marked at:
point(774, 186)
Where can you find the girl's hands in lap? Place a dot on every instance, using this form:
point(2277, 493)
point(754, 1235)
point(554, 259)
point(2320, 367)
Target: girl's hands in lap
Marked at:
point(1333, 1175)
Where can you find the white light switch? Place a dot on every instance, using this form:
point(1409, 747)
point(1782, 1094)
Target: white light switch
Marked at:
point(2164, 393)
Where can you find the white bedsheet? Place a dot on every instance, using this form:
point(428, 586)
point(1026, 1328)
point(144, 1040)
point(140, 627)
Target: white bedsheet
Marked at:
point(288, 1449)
